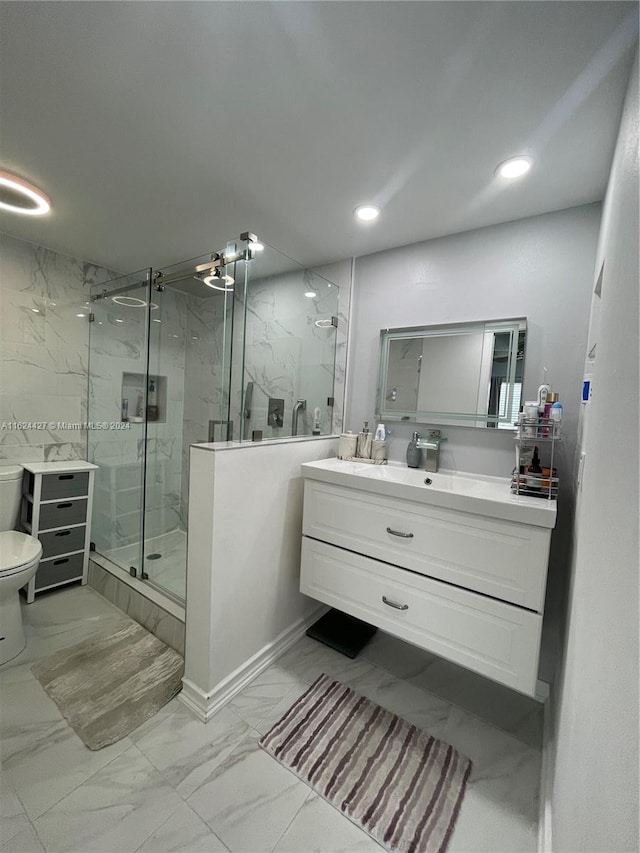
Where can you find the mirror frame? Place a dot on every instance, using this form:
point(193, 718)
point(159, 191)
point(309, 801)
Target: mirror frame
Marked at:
point(513, 325)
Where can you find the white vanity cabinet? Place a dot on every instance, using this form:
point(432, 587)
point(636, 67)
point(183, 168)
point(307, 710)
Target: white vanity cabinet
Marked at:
point(464, 585)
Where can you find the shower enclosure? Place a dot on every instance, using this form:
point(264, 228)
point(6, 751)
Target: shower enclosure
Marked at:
point(224, 346)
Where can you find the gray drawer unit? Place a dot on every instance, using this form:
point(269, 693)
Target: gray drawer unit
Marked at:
point(57, 504)
point(62, 513)
point(59, 570)
point(63, 541)
point(65, 485)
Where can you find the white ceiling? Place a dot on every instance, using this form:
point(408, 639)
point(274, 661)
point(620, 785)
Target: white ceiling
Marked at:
point(162, 130)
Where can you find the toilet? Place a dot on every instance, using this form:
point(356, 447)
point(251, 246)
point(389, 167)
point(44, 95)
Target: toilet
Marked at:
point(19, 558)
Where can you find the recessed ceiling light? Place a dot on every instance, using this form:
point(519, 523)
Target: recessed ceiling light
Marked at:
point(157, 321)
point(366, 212)
point(36, 310)
point(19, 196)
point(81, 315)
point(514, 167)
point(310, 294)
point(118, 320)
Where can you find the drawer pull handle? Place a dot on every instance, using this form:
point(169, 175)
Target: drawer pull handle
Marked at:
point(60, 562)
point(64, 506)
point(65, 476)
point(398, 533)
point(393, 604)
point(64, 533)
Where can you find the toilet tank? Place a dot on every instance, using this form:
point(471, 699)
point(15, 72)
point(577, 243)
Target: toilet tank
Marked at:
point(10, 495)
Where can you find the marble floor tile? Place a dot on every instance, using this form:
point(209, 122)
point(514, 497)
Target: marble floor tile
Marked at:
point(25, 841)
point(397, 657)
point(318, 827)
point(14, 824)
point(506, 709)
point(117, 809)
point(44, 771)
point(503, 789)
point(183, 832)
point(250, 799)
point(188, 751)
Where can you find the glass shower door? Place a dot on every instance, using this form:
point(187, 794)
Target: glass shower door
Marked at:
point(116, 402)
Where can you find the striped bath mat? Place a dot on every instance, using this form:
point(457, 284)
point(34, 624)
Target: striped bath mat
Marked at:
point(399, 784)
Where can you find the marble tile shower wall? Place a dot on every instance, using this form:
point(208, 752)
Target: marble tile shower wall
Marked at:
point(203, 394)
point(43, 351)
point(118, 347)
point(288, 356)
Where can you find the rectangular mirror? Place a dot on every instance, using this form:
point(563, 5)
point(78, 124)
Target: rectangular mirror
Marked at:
point(464, 374)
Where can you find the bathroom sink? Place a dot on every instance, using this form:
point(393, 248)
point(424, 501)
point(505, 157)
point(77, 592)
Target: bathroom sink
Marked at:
point(474, 493)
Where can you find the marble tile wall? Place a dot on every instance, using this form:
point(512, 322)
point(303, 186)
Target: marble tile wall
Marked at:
point(289, 356)
point(119, 350)
point(43, 351)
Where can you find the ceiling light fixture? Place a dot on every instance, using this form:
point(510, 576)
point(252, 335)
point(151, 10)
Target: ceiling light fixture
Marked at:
point(366, 212)
point(129, 301)
point(81, 315)
point(310, 294)
point(514, 167)
point(222, 282)
point(19, 196)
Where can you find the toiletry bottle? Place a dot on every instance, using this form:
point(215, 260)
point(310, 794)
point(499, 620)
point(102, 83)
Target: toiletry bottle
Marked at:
point(125, 410)
point(534, 475)
point(380, 433)
point(546, 414)
point(363, 450)
point(413, 452)
point(316, 421)
point(556, 416)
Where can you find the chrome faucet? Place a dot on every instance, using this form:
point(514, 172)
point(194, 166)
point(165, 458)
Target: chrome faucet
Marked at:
point(431, 445)
point(301, 405)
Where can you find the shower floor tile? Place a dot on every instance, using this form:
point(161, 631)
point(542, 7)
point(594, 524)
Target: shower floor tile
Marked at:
point(168, 570)
point(178, 784)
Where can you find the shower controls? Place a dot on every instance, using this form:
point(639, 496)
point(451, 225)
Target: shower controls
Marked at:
point(275, 412)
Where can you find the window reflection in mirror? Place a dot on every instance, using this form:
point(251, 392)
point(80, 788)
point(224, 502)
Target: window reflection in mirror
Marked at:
point(467, 374)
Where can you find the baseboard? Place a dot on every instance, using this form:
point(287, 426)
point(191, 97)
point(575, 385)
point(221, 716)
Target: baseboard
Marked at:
point(546, 781)
point(205, 705)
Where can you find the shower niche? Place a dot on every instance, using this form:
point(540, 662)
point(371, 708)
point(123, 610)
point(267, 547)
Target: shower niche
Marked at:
point(136, 406)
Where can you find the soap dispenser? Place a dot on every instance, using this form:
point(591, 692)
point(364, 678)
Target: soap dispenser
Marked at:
point(363, 446)
point(413, 452)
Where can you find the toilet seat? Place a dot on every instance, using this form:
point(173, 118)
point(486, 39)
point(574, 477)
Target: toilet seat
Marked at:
point(18, 551)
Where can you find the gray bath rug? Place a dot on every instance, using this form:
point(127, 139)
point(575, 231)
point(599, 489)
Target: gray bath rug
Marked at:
point(399, 784)
point(107, 687)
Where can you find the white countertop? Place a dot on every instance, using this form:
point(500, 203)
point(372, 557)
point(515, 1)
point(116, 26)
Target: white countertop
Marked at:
point(58, 467)
point(481, 495)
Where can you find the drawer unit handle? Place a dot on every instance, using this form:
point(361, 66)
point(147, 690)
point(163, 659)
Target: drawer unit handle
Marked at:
point(64, 533)
point(393, 604)
point(64, 506)
point(65, 476)
point(60, 562)
point(398, 533)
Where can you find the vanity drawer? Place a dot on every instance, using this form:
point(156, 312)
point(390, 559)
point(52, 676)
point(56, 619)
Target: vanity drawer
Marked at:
point(62, 513)
point(59, 570)
point(497, 640)
point(503, 559)
point(63, 541)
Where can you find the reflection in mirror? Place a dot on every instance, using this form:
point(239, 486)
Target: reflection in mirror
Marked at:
point(466, 373)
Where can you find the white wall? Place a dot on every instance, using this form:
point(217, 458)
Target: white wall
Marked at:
point(540, 268)
point(595, 785)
